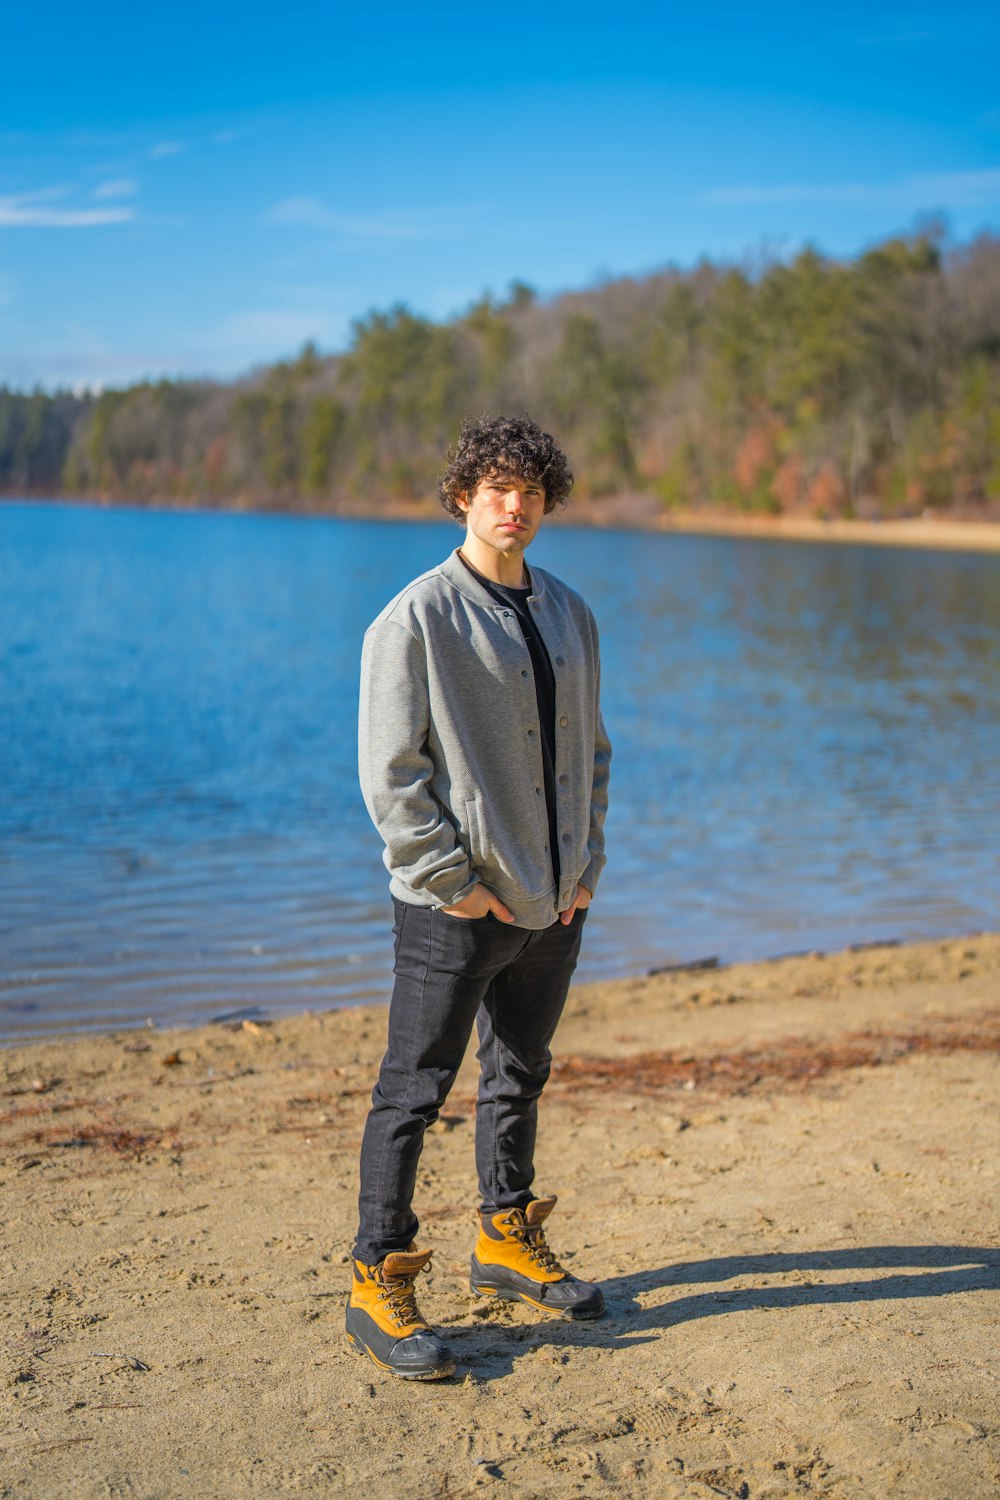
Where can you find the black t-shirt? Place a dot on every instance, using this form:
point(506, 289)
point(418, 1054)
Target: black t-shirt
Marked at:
point(545, 692)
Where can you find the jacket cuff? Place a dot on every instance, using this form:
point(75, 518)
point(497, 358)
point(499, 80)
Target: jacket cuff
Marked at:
point(466, 890)
point(592, 873)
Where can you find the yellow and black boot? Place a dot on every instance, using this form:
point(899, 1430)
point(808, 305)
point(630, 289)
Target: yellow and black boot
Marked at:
point(384, 1321)
point(512, 1261)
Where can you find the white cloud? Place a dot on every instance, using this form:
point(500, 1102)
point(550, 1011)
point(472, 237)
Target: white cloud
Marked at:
point(117, 187)
point(960, 189)
point(793, 192)
point(88, 362)
point(165, 148)
point(84, 363)
point(980, 189)
point(311, 213)
point(37, 211)
point(265, 332)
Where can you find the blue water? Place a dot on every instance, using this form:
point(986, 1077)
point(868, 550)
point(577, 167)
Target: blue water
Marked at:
point(807, 754)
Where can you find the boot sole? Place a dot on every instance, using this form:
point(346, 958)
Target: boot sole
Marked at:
point(481, 1289)
point(440, 1372)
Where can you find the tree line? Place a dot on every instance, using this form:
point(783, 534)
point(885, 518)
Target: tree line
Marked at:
point(821, 386)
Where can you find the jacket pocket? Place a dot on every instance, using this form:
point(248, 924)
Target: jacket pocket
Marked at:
point(448, 916)
point(507, 861)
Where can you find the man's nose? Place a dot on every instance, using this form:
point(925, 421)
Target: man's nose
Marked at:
point(515, 500)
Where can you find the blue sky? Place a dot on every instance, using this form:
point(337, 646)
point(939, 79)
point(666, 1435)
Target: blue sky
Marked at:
point(196, 189)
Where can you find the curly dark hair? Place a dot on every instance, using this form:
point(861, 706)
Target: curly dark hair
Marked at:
point(508, 448)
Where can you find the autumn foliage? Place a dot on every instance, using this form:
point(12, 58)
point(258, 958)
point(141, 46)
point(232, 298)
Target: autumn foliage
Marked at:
point(816, 386)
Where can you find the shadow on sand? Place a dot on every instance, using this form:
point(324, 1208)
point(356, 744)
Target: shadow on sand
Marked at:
point(491, 1349)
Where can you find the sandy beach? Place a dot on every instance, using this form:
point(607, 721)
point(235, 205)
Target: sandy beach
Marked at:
point(785, 1174)
point(935, 531)
point(938, 532)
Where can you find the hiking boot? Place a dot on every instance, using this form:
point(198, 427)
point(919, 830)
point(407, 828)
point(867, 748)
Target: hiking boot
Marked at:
point(512, 1261)
point(384, 1321)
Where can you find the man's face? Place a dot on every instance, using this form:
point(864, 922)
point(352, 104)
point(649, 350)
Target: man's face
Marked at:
point(504, 511)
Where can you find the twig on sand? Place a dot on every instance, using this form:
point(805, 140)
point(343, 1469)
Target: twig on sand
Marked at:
point(63, 1443)
point(130, 1359)
point(210, 1078)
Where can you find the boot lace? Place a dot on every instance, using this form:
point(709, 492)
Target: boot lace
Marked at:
point(400, 1299)
point(532, 1237)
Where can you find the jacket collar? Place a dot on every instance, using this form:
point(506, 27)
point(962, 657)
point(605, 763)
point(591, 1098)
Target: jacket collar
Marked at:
point(458, 575)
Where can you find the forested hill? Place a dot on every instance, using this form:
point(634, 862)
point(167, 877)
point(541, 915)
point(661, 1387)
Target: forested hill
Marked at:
point(819, 386)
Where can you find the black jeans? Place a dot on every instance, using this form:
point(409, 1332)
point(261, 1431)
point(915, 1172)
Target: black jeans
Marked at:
point(450, 972)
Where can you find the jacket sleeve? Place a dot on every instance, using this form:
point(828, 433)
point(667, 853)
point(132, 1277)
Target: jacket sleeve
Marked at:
point(422, 851)
point(599, 787)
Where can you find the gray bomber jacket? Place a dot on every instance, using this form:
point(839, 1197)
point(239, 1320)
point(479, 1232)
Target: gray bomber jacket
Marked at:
point(449, 749)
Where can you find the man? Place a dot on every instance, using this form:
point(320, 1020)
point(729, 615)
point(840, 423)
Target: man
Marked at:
point(484, 765)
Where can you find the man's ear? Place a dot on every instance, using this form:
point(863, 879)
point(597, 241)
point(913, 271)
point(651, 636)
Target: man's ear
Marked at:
point(462, 501)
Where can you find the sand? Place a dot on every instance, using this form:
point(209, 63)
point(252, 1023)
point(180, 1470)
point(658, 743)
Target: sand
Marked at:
point(938, 531)
point(785, 1174)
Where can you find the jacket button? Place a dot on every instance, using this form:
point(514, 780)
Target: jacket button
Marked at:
point(531, 734)
point(564, 781)
point(538, 791)
point(566, 838)
point(560, 661)
point(524, 672)
point(563, 721)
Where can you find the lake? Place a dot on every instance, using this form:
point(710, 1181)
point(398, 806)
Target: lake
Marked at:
point(807, 754)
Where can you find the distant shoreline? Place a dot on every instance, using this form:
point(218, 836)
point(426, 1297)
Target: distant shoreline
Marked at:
point(617, 512)
point(639, 513)
point(953, 536)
